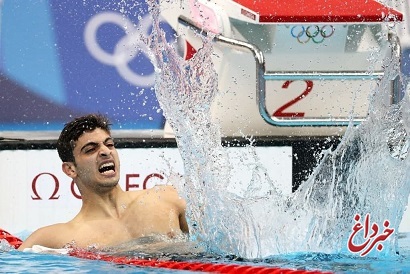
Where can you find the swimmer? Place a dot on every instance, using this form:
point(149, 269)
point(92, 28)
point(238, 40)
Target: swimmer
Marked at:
point(109, 215)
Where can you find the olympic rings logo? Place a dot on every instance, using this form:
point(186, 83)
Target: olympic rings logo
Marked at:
point(313, 32)
point(127, 48)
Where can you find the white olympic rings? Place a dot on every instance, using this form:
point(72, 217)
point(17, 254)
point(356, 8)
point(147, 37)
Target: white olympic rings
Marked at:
point(314, 32)
point(127, 48)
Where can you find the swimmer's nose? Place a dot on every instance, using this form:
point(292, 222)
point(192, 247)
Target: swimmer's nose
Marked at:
point(104, 150)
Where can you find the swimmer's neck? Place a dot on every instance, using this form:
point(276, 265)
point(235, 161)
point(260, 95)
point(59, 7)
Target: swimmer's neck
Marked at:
point(108, 204)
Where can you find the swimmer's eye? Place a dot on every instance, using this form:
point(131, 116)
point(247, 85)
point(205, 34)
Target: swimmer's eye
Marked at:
point(110, 145)
point(89, 149)
point(92, 147)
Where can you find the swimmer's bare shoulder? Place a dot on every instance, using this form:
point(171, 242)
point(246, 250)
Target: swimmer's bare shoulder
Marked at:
point(50, 236)
point(165, 194)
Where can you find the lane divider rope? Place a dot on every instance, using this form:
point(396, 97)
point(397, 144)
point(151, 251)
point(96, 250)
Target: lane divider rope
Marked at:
point(176, 265)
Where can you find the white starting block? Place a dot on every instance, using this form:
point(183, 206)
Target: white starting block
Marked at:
point(309, 65)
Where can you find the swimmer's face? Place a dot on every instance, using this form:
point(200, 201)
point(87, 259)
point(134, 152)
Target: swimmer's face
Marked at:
point(96, 160)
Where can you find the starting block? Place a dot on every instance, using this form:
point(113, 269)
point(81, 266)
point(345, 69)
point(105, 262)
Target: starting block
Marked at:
point(304, 67)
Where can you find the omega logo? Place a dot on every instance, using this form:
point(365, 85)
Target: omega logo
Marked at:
point(50, 185)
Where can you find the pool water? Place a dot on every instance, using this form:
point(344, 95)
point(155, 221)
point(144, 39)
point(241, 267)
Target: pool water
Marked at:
point(13, 261)
point(339, 263)
point(19, 262)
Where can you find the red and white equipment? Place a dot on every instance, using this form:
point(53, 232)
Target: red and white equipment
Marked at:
point(298, 67)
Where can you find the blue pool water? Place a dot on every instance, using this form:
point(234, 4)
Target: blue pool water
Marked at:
point(18, 262)
point(12, 261)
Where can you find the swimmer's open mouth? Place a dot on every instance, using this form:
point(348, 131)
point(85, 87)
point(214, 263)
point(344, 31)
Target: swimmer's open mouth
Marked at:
point(107, 167)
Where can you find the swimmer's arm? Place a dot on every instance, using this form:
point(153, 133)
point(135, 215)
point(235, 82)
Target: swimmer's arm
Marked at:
point(180, 203)
point(183, 223)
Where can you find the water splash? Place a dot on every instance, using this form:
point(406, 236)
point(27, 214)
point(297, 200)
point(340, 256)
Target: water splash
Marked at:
point(366, 173)
point(186, 90)
point(5, 246)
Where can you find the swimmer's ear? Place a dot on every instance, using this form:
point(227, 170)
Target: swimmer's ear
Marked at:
point(69, 169)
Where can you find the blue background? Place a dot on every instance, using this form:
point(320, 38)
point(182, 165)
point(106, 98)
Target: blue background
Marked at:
point(47, 75)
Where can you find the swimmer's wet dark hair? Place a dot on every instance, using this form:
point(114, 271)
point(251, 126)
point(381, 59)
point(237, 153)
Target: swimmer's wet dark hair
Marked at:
point(74, 129)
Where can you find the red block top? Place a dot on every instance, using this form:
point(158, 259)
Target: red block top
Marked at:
point(317, 11)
